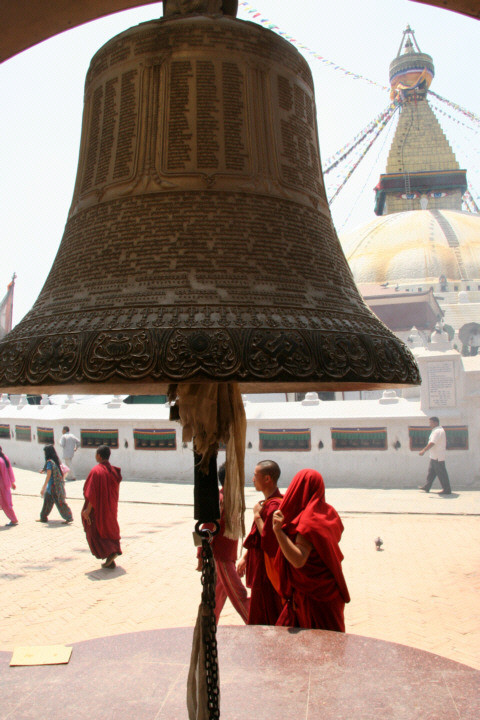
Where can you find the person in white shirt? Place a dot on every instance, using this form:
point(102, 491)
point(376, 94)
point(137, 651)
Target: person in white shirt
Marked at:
point(437, 446)
point(69, 444)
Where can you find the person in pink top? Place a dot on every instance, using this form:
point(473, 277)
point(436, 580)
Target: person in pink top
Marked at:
point(7, 482)
point(225, 554)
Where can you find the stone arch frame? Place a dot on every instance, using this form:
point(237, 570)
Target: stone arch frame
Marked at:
point(27, 23)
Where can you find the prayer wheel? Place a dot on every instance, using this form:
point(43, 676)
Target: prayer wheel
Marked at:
point(199, 245)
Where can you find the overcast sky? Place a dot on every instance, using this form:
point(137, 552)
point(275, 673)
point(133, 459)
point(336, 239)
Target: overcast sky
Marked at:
point(42, 98)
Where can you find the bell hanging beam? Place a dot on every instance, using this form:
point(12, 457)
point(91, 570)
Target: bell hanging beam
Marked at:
point(199, 245)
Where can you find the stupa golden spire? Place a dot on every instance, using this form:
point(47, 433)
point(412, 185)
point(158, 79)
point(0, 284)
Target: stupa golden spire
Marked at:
point(422, 171)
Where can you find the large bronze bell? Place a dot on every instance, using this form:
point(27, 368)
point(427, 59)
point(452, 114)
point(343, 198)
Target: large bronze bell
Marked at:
point(199, 244)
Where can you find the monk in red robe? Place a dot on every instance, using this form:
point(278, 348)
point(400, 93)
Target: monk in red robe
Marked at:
point(309, 561)
point(261, 547)
point(99, 514)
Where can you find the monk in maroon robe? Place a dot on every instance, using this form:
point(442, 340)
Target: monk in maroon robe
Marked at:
point(309, 560)
point(261, 547)
point(99, 514)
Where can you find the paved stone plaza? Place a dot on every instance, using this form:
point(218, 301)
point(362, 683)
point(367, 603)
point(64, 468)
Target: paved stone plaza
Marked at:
point(422, 590)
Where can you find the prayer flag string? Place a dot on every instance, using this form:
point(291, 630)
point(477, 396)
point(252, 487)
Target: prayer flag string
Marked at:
point(344, 152)
point(459, 108)
point(357, 163)
point(361, 192)
point(470, 200)
point(259, 17)
point(453, 119)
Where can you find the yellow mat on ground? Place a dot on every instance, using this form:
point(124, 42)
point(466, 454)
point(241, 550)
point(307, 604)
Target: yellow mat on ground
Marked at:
point(41, 655)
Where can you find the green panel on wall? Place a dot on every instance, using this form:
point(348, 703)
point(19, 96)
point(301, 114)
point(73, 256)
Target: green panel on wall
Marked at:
point(155, 439)
point(45, 435)
point(95, 438)
point(285, 440)
point(359, 438)
point(23, 433)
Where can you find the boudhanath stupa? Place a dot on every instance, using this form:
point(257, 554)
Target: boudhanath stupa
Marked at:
point(421, 242)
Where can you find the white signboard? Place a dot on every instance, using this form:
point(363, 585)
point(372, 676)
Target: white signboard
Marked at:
point(441, 384)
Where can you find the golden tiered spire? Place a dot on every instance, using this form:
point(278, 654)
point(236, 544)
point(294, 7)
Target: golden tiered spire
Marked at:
point(422, 171)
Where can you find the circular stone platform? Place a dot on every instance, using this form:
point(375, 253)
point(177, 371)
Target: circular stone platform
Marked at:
point(265, 672)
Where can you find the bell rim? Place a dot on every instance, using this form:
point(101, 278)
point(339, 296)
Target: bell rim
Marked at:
point(253, 357)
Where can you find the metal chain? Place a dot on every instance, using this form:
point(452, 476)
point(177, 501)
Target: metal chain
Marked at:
point(210, 627)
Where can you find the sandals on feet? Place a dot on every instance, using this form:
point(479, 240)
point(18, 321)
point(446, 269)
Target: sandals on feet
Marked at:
point(110, 561)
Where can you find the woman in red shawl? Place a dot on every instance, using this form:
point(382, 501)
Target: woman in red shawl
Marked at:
point(309, 561)
point(99, 514)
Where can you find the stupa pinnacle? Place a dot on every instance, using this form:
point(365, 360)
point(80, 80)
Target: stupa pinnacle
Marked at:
point(422, 171)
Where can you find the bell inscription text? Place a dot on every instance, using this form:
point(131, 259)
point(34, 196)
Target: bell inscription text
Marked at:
point(179, 154)
point(196, 108)
point(112, 112)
